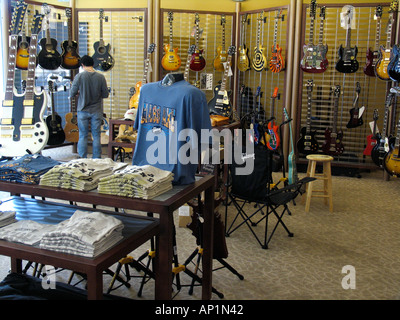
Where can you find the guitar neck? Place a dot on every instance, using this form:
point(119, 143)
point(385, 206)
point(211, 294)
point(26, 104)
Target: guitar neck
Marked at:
point(321, 32)
point(146, 68)
point(378, 33)
point(348, 37)
point(311, 39)
point(170, 37)
point(308, 121)
point(389, 31)
point(69, 31)
point(11, 68)
point(223, 83)
point(30, 81)
point(335, 115)
point(275, 34)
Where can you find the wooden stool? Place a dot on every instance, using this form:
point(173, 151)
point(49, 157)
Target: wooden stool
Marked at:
point(326, 176)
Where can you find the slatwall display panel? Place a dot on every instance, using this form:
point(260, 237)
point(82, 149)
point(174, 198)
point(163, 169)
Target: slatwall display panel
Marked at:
point(373, 90)
point(255, 89)
point(125, 32)
point(183, 26)
point(60, 77)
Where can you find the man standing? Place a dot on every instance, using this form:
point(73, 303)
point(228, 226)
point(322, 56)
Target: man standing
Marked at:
point(92, 89)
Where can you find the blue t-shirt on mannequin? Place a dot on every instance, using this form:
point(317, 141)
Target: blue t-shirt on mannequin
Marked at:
point(171, 114)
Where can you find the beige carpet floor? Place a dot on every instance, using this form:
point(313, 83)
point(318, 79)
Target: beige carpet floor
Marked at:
point(363, 232)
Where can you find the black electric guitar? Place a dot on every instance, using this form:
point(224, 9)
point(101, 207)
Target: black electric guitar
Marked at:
point(103, 61)
point(333, 138)
point(347, 62)
point(53, 122)
point(356, 112)
point(383, 146)
point(70, 57)
point(308, 143)
point(220, 103)
point(48, 58)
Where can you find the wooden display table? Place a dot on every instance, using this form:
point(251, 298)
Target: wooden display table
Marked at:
point(113, 133)
point(163, 205)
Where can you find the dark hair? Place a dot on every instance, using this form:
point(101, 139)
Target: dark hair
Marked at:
point(87, 61)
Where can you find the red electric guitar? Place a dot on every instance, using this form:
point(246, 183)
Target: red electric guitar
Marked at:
point(197, 62)
point(371, 139)
point(274, 140)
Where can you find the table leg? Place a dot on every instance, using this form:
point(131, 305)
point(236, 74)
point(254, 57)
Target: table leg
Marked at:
point(95, 285)
point(16, 265)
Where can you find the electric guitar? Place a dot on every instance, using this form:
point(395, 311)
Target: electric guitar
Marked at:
point(48, 58)
point(308, 143)
point(308, 63)
point(383, 144)
point(171, 60)
point(276, 63)
point(23, 52)
point(134, 100)
point(274, 139)
point(292, 170)
point(220, 103)
point(70, 57)
point(26, 132)
point(197, 61)
point(243, 61)
point(222, 55)
point(347, 62)
point(9, 125)
point(53, 122)
point(356, 112)
point(392, 158)
point(259, 62)
point(372, 138)
point(103, 60)
point(385, 53)
point(373, 55)
point(333, 138)
point(71, 123)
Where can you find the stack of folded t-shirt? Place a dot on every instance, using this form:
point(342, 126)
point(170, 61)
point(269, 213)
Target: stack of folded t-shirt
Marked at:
point(7, 217)
point(80, 174)
point(28, 232)
point(26, 169)
point(85, 233)
point(144, 182)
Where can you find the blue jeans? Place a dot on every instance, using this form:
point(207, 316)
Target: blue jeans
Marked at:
point(95, 120)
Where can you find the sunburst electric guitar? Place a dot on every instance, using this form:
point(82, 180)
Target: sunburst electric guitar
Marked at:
point(276, 62)
point(259, 62)
point(171, 60)
point(392, 159)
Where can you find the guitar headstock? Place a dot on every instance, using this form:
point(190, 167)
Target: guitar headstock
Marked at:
point(286, 114)
point(376, 115)
point(260, 16)
point(378, 12)
point(192, 49)
point(170, 17)
point(51, 85)
point(389, 99)
point(68, 12)
point(313, 7)
point(223, 20)
point(322, 12)
point(310, 85)
point(393, 6)
point(244, 18)
point(275, 93)
point(358, 88)
point(196, 18)
point(231, 50)
point(18, 17)
point(278, 15)
point(101, 14)
point(336, 91)
point(151, 48)
point(37, 24)
point(258, 91)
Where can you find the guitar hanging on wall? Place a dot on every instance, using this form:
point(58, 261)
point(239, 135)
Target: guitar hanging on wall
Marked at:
point(347, 62)
point(23, 50)
point(372, 138)
point(134, 100)
point(222, 55)
point(71, 123)
point(308, 143)
point(197, 61)
point(70, 57)
point(53, 122)
point(356, 112)
point(220, 103)
point(292, 169)
point(308, 63)
point(103, 60)
point(171, 60)
point(385, 53)
point(373, 55)
point(333, 138)
point(274, 139)
point(243, 60)
point(392, 158)
point(259, 62)
point(48, 58)
point(277, 63)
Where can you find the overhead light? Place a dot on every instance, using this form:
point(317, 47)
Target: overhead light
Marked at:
point(238, 0)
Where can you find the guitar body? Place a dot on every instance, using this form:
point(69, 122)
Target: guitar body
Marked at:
point(371, 143)
point(197, 61)
point(49, 58)
point(222, 56)
point(22, 57)
point(314, 58)
point(56, 132)
point(134, 100)
point(307, 143)
point(70, 58)
point(276, 63)
point(71, 127)
point(392, 162)
point(171, 60)
point(371, 58)
point(379, 151)
point(355, 120)
point(347, 62)
point(274, 139)
point(333, 145)
point(259, 61)
point(381, 67)
point(394, 64)
point(243, 61)
point(220, 103)
point(103, 61)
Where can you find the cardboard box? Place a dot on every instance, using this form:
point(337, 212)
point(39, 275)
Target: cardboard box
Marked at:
point(185, 215)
